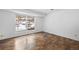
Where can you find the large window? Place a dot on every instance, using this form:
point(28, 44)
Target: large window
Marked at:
point(30, 23)
point(20, 23)
point(24, 22)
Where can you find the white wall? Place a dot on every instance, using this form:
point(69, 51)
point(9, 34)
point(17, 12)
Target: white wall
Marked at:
point(63, 23)
point(8, 24)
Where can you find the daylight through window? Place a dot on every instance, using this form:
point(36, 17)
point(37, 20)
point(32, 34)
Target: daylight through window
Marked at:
point(24, 22)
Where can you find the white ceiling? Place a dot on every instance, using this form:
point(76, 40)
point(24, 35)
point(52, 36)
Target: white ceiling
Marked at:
point(41, 11)
point(34, 12)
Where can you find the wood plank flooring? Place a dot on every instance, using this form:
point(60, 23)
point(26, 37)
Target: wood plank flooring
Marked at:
point(39, 41)
point(7, 44)
point(46, 41)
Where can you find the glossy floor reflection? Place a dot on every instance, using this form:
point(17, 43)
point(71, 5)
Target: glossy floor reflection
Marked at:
point(39, 41)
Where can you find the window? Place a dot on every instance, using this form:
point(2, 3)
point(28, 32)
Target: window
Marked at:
point(24, 22)
point(20, 23)
point(31, 24)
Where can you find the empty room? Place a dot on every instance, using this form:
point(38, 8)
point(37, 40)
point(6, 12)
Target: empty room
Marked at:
point(39, 29)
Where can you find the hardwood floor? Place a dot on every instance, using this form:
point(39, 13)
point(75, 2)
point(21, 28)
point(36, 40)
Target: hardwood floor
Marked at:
point(7, 44)
point(46, 41)
point(39, 41)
